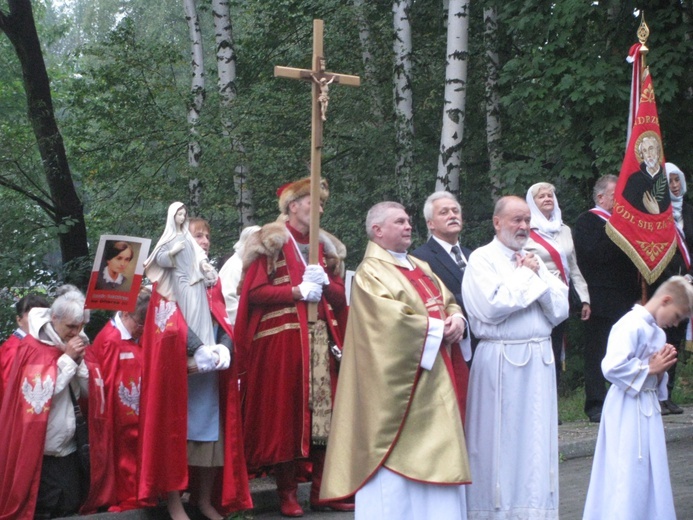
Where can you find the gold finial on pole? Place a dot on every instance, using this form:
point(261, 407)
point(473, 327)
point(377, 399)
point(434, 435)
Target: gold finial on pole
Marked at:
point(643, 34)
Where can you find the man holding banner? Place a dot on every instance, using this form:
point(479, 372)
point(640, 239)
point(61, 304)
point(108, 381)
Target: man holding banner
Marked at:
point(613, 287)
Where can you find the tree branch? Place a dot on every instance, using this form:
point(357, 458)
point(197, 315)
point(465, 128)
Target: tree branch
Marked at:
point(43, 204)
point(24, 174)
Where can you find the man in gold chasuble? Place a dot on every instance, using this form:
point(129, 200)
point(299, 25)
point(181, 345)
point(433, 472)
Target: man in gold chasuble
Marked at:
point(397, 438)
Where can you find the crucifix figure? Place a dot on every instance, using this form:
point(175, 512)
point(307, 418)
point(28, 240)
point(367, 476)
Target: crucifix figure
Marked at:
point(324, 97)
point(320, 79)
point(323, 80)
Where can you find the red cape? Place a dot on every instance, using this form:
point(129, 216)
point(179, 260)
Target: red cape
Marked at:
point(23, 432)
point(163, 409)
point(8, 351)
point(113, 421)
point(235, 492)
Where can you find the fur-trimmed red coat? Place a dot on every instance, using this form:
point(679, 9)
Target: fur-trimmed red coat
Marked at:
point(272, 340)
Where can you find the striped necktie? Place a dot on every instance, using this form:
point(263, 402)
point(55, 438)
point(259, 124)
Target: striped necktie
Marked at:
point(458, 257)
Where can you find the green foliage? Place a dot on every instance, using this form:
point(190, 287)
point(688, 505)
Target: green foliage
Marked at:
point(127, 144)
point(560, 84)
point(566, 85)
point(120, 75)
point(273, 115)
point(571, 406)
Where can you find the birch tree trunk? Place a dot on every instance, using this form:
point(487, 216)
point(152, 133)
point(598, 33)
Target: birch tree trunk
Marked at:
point(226, 69)
point(403, 99)
point(369, 69)
point(493, 122)
point(452, 132)
point(197, 97)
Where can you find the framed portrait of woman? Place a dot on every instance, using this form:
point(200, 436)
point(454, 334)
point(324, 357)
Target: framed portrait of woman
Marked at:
point(117, 272)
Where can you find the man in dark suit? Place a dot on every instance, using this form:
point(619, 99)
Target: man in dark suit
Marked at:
point(612, 280)
point(448, 260)
point(443, 252)
point(443, 216)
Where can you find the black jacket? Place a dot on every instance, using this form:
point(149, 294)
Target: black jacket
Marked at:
point(612, 278)
point(443, 266)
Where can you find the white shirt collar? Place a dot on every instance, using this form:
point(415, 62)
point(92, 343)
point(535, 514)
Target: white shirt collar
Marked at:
point(107, 277)
point(447, 245)
point(401, 259)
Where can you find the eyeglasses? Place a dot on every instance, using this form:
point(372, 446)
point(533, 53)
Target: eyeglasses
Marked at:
point(139, 325)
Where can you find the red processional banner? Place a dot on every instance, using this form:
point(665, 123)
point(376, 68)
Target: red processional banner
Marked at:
point(641, 222)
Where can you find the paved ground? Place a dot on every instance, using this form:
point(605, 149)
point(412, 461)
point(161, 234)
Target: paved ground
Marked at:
point(576, 445)
point(574, 478)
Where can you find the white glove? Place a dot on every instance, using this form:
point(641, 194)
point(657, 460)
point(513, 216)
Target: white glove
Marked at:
point(224, 356)
point(310, 292)
point(206, 358)
point(316, 274)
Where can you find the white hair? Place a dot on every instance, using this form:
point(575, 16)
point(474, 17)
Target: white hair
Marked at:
point(378, 213)
point(601, 185)
point(245, 234)
point(69, 305)
point(428, 205)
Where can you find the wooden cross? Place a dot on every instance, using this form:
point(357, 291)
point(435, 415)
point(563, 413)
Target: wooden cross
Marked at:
point(321, 80)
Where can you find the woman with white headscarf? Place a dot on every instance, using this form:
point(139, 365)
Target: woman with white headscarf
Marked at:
point(552, 241)
point(680, 264)
point(683, 213)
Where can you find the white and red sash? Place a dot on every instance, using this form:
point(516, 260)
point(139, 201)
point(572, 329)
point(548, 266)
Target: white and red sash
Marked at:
point(601, 213)
point(555, 255)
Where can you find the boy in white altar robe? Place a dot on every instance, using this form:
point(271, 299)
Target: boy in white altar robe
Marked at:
point(630, 473)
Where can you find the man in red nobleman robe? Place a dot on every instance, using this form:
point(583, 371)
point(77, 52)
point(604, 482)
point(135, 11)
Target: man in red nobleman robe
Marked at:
point(290, 367)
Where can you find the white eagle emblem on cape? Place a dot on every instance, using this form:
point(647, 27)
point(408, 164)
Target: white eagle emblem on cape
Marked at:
point(130, 398)
point(38, 395)
point(163, 313)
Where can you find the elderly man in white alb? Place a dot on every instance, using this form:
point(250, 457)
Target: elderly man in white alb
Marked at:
point(512, 303)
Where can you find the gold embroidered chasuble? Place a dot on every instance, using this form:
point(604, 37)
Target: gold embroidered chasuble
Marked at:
point(388, 411)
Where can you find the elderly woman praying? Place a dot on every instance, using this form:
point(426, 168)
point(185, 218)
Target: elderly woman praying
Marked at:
point(552, 241)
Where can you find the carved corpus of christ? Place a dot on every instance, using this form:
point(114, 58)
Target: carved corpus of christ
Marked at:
point(323, 80)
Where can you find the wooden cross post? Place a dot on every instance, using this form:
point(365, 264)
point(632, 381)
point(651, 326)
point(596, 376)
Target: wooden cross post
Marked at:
point(321, 80)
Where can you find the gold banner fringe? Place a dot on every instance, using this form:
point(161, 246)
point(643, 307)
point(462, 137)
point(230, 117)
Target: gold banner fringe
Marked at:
point(649, 275)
